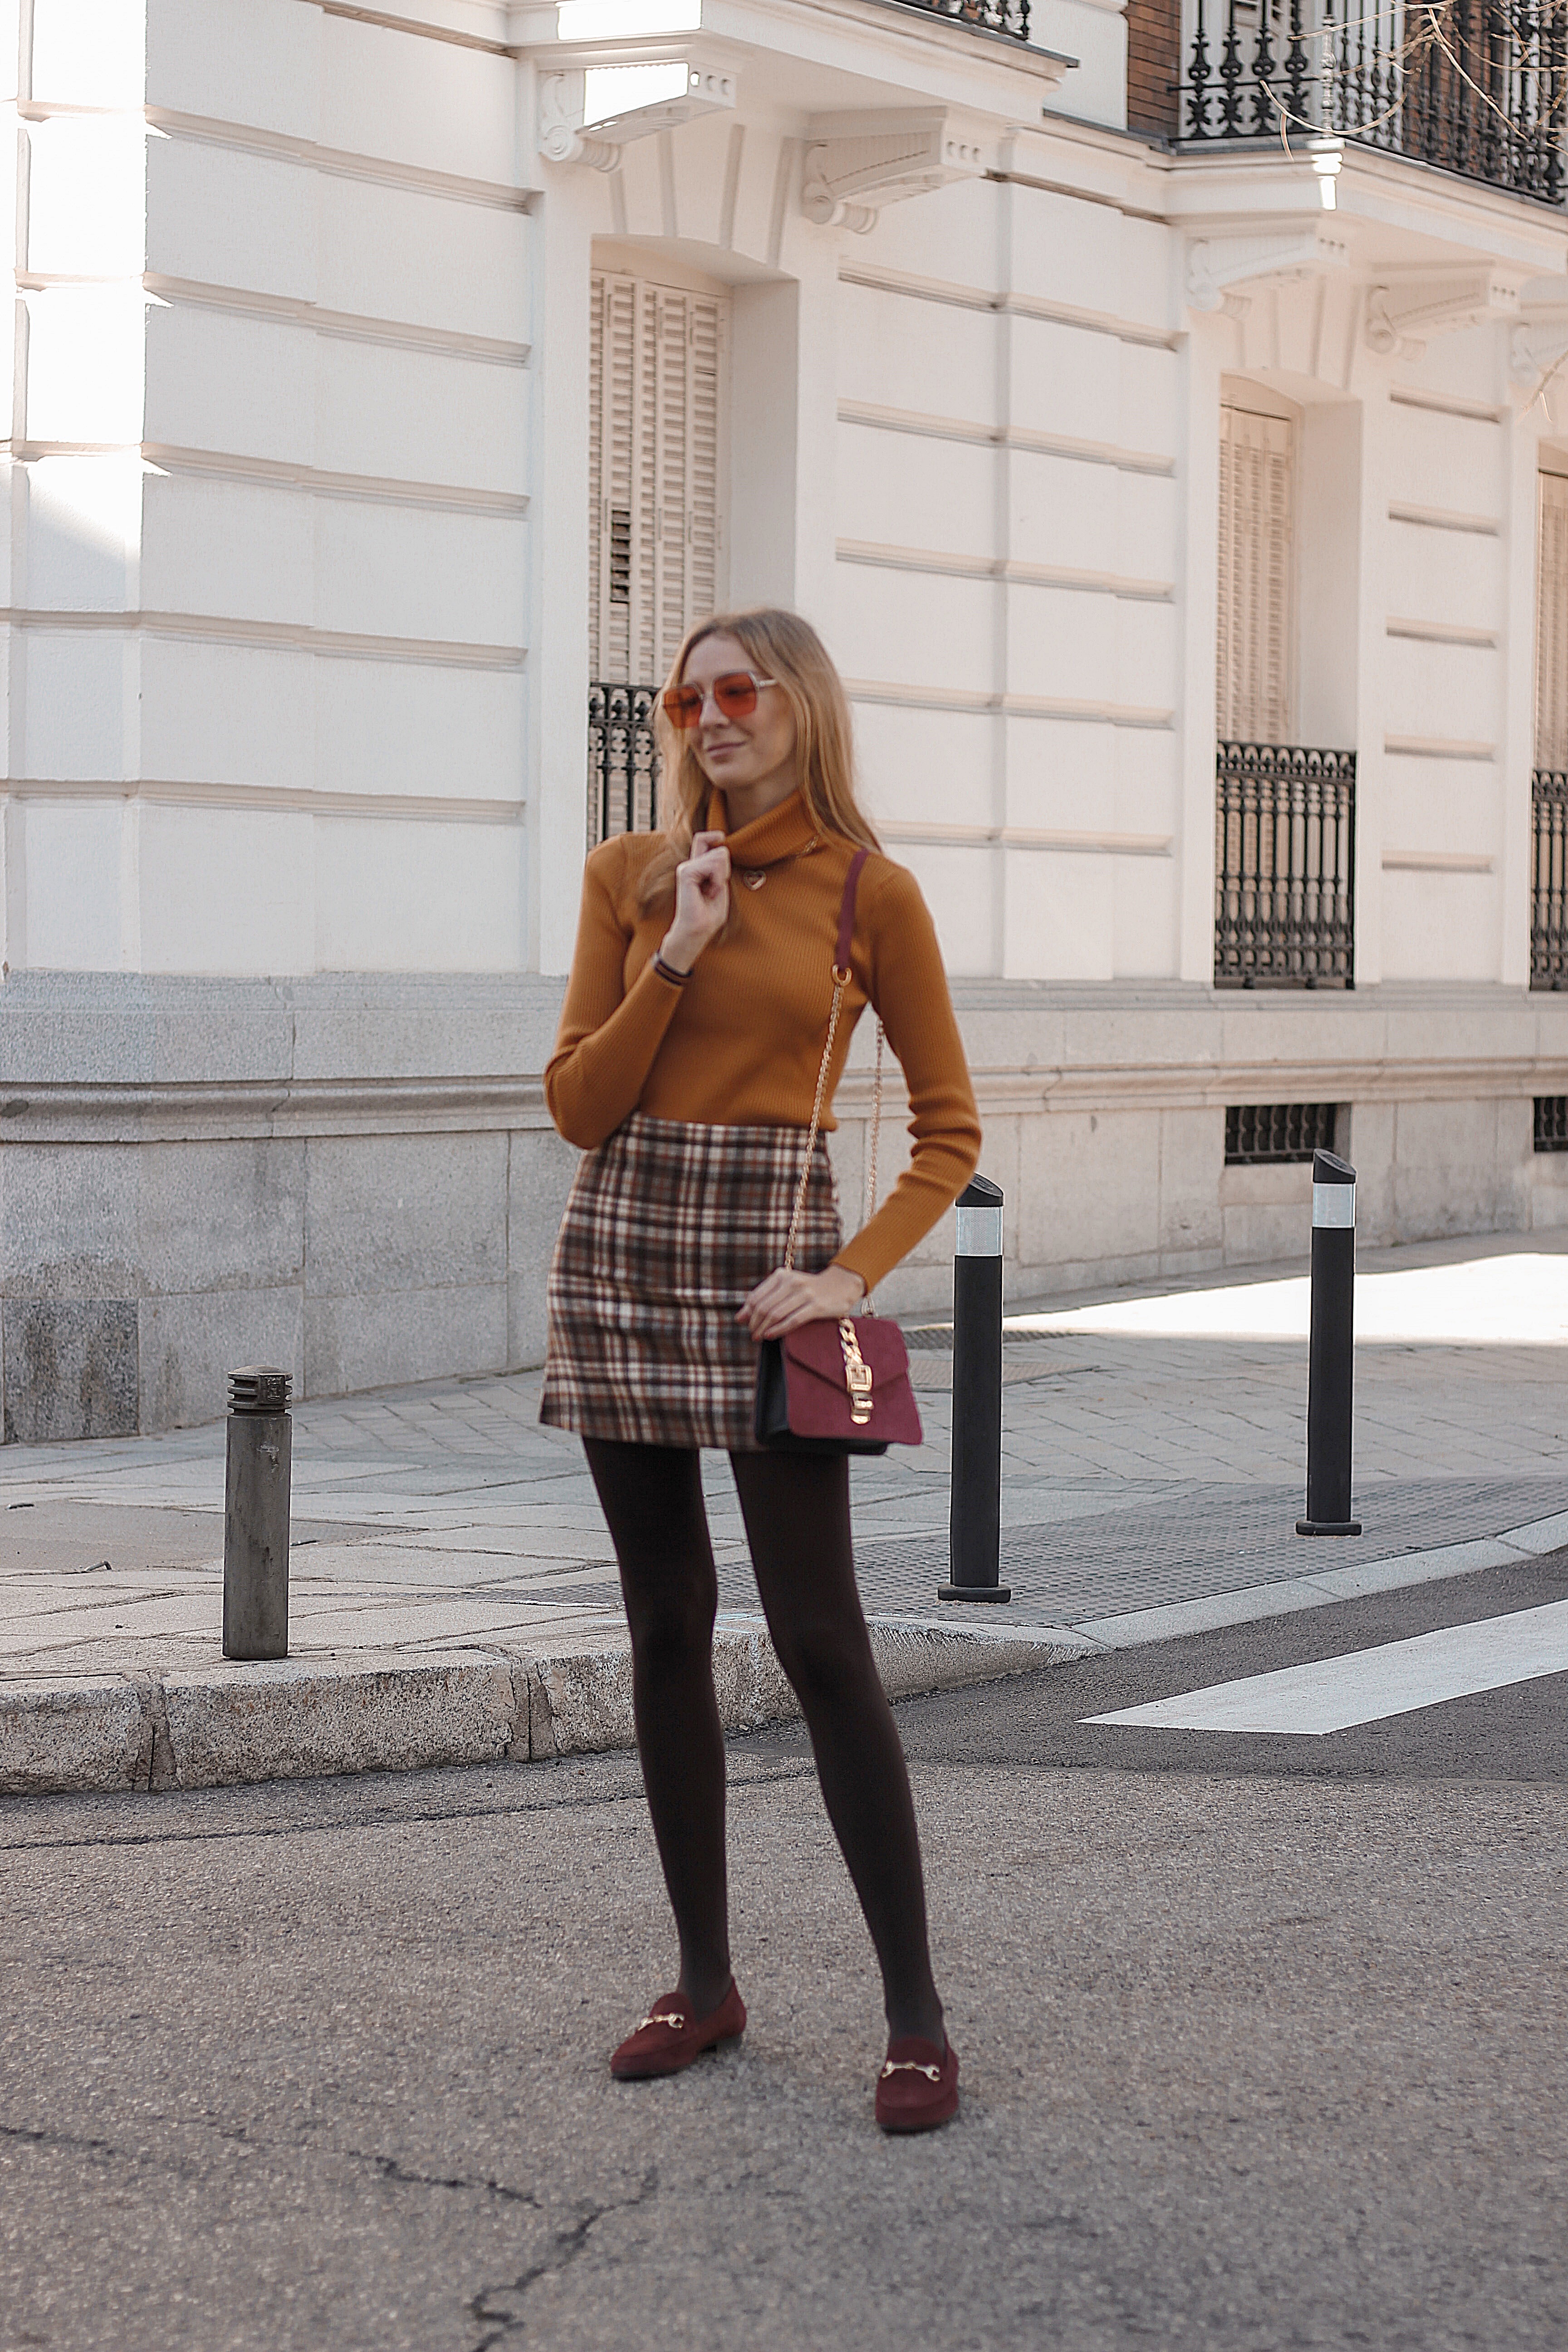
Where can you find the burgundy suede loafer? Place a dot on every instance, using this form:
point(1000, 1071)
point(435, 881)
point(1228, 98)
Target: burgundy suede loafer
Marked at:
point(669, 2037)
point(918, 2086)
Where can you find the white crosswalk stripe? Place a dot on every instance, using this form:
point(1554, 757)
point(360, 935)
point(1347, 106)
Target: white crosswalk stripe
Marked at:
point(1368, 1685)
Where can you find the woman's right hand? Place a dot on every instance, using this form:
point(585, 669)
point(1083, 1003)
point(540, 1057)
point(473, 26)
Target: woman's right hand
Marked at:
point(701, 901)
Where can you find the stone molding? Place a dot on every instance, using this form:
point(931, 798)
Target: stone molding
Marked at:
point(1207, 1085)
point(565, 138)
point(1217, 265)
point(123, 1058)
point(1401, 318)
point(162, 1112)
point(856, 164)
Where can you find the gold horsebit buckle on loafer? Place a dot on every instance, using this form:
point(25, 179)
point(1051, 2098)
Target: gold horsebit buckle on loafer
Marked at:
point(665, 2017)
point(909, 2066)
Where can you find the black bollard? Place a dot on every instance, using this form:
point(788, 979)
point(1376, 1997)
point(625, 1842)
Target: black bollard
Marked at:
point(1330, 1374)
point(975, 1526)
point(256, 1515)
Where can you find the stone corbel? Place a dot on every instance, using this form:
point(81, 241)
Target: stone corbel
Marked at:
point(569, 134)
point(856, 164)
point(1401, 318)
point(1217, 265)
point(1539, 346)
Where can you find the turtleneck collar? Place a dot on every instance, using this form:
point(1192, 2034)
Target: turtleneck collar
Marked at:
point(783, 833)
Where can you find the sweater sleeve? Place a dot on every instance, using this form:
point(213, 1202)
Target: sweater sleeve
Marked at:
point(609, 1034)
point(908, 988)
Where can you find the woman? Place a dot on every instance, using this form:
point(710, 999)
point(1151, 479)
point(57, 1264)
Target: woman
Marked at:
point(685, 1067)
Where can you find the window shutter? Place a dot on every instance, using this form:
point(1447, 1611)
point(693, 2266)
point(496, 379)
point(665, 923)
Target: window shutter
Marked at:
point(1253, 681)
point(655, 432)
point(709, 334)
point(1551, 626)
point(612, 380)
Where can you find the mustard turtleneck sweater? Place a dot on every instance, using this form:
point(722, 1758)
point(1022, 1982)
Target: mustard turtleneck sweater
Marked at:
point(741, 1042)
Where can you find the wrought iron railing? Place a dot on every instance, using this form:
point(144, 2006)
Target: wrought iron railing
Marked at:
point(1478, 87)
point(1284, 868)
point(1549, 880)
point(623, 761)
point(1008, 16)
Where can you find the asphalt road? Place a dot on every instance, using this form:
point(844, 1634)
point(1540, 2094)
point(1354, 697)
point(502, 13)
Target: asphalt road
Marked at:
point(1263, 2043)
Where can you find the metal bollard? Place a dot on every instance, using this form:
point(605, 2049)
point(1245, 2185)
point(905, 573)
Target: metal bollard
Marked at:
point(1331, 1376)
point(256, 1515)
point(975, 1526)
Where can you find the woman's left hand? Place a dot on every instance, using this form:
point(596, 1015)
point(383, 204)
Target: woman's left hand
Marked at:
point(786, 1300)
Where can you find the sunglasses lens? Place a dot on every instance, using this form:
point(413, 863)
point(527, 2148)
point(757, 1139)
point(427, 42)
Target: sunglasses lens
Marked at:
point(683, 706)
point(736, 695)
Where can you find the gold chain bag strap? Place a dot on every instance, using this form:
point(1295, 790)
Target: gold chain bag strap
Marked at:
point(837, 1388)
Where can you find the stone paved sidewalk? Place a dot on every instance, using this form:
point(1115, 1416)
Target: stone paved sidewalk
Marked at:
point(1152, 1457)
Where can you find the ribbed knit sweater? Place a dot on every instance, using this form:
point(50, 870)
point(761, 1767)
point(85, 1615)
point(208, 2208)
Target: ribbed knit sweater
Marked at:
point(740, 1042)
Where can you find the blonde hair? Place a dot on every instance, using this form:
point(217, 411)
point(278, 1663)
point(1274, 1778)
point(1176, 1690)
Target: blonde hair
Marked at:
point(780, 646)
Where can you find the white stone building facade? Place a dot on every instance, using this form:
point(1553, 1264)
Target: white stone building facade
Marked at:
point(391, 382)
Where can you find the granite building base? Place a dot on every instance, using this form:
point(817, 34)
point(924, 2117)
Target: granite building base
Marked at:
point(357, 1179)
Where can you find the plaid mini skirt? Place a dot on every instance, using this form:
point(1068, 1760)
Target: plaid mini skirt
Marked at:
point(668, 1224)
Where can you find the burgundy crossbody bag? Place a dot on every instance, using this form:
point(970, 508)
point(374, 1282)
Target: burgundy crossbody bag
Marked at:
point(827, 1387)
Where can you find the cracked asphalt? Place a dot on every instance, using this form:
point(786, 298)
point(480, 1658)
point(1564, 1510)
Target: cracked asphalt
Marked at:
point(1262, 2038)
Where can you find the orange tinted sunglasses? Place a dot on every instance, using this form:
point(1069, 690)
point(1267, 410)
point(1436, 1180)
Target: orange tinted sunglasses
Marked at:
point(735, 693)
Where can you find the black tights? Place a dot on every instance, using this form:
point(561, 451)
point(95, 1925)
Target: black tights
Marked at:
point(796, 1510)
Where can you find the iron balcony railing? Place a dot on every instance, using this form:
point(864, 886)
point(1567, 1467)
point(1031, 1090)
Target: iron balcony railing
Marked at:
point(1010, 18)
point(1477, 86)
point(1549, 880)
point(623, 761)
point(1285, 867)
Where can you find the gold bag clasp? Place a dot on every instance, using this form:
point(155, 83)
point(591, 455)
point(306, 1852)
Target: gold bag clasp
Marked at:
point(857, 1374)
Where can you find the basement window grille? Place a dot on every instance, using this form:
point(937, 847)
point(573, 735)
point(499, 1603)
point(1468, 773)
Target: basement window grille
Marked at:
point(1552, 1122)
point(1271, 1135)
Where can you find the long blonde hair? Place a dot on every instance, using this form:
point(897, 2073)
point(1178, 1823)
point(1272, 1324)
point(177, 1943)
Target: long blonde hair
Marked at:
point(781, 645)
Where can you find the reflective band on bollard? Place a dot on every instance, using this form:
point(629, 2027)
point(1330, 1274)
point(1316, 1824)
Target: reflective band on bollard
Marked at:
point(1331, 1369)
point(975, 1525)
point(256, 1515)
point(979, 1230)
point(1333, 1206)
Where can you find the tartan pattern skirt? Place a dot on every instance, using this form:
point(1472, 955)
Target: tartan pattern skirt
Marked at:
point(668, 1224)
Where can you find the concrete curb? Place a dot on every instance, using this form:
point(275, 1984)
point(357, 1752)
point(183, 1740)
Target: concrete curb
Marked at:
point(301, 1719)
point(393, 1711)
